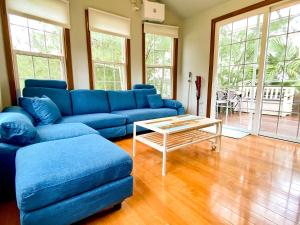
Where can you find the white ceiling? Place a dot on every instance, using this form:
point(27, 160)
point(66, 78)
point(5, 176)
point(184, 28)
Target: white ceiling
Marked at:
point(187, 8)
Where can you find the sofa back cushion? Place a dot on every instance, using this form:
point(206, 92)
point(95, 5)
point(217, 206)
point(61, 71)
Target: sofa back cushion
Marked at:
point(61, 97)
point(141, 97)
point(121, 100)
point(59, 84)
point(16, 129)
point(143, 86)
point(89, 101)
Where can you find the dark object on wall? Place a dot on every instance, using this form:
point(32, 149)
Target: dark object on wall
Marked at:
point(198, 89)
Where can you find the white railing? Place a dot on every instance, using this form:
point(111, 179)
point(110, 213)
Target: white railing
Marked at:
point(271, 100)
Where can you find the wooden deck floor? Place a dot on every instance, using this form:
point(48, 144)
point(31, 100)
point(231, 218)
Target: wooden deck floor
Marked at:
point(287, 125)
point(254, 180)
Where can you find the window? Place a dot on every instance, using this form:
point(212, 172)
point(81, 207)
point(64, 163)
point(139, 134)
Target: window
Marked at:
point(108, 56)
point(108, 46)
point(37, 48)
point(239, 46)
point(160, 49)
point(159, 63)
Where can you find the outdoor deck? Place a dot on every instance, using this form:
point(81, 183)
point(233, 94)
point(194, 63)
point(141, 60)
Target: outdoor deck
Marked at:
point(287, 125)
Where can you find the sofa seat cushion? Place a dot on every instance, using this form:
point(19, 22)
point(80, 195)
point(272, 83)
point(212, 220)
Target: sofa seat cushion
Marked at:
point(62, 131)
point(96, 120)
point(50, 172)
point(145, 114)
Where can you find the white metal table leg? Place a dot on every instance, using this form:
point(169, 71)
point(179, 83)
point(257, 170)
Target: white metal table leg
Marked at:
point(134, 140)
point(219, 133)
point(164, 155)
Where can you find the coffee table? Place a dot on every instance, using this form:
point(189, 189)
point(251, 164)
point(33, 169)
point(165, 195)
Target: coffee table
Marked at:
point(171, 133)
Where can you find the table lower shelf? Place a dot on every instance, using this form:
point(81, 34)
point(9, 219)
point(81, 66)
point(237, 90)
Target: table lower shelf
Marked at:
point(176, 140)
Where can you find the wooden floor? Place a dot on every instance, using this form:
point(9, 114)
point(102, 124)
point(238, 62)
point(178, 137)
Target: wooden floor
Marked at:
point(253, 180)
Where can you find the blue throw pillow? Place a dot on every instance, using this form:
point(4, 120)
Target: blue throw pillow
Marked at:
point(16, 129)
point(26, 104)
point(43, 109)
point(155, 101)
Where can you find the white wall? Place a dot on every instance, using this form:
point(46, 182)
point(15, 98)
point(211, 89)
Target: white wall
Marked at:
point(196, 50)
point(78, 36)
point(78, 41)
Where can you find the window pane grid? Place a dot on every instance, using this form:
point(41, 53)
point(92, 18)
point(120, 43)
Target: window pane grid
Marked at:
point(38, 49)
point(238, 54)
point(109, 76)
point(108, 55)
point(159, 63)
point(35, 40)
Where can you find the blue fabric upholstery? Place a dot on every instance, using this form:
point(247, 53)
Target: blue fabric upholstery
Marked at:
point(155, 101)
point(65, 209)
point(173, 104)
point(121, 100)
point(60, 84)
point(141, 97)
point(181, 111)
point(18, 109)
point(129, 128)
point(143, 86)
point(145, 114)
point(80, 206)
point(89, 101)
point(113, 132)
point(7, 170)
point(79, 164)
point(26, 104)
point(60, 97)
point(43, 109)
point(16, 129)
point(96, 120)
point(62, 131)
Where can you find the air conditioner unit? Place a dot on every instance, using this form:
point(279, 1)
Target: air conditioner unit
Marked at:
point(153, 11)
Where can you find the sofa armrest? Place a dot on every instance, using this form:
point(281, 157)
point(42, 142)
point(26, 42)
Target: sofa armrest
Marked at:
point(173, 104)
point(180, 111)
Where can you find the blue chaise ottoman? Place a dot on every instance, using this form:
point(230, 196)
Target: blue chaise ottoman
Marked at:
point(63, 181)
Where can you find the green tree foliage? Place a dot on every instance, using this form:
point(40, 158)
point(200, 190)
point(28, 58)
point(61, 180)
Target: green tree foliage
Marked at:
point(38, 48)
point(239, 53)
point(109, 59)
point(158, 57)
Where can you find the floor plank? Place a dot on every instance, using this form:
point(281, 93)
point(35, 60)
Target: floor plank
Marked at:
point(254, 180)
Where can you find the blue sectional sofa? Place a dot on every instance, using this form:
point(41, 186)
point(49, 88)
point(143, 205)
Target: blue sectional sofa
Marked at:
point(71, 170)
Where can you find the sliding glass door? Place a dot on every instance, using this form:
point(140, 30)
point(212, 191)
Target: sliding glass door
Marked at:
point(238, 64)
point(257, 78)
point(280, 103)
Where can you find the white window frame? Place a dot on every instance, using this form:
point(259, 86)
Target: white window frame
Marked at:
point(108, 63)
point(36, 54)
